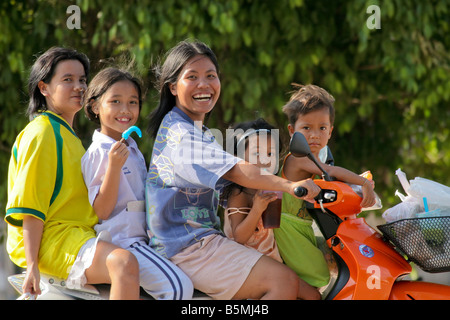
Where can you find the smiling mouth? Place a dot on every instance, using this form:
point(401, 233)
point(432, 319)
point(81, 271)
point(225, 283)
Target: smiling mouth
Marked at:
point(123, 119)
point(203, 97)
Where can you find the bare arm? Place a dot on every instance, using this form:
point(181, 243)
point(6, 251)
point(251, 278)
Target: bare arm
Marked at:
point(250, 176)
point(32, 235)
point(107, 196)
point(243, 225)
point(300, 167)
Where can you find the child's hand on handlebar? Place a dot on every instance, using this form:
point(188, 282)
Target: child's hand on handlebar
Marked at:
point(369, 197)
point(313, 189)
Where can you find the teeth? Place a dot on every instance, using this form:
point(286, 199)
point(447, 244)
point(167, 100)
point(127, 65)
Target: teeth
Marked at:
point(202, 96)
point(123, 119)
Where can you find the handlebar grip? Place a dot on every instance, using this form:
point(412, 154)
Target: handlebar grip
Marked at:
point(300, 192)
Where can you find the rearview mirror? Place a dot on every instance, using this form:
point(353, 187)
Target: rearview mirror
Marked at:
point(299, 147)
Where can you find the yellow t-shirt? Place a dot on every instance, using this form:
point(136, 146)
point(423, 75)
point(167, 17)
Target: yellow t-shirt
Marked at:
point(46, 182)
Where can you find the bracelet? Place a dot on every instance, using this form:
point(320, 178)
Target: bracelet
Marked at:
point(367, 180)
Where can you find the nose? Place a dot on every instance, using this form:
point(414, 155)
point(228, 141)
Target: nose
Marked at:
point(125, 108)
point(314, 133)
point(203, 82)
point(80, 86)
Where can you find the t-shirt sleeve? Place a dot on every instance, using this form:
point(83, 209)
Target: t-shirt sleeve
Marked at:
point(199, 161)
point(32, 175)
point(93, 165)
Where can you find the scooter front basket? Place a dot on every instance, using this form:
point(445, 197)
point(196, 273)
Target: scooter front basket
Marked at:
point(425, 241)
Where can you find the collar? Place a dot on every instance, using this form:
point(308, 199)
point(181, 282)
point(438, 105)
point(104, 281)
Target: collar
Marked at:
point(59, 119)
point(185, 117)
point(180, 112)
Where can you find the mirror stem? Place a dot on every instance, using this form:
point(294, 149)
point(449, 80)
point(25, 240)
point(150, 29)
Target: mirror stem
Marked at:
point(325, 175)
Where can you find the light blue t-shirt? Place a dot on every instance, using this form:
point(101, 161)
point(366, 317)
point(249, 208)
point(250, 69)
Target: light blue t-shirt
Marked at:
point(183, 184)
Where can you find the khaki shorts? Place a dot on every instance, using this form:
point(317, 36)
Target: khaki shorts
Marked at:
point(217, 265)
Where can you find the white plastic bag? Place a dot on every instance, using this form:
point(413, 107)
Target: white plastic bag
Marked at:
point(406, 209)
point(437, 195)
point(422, 195)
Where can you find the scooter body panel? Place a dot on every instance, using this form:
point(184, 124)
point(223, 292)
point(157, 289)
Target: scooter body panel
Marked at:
point(416, 290)
point(347, 203)
point(374, 265)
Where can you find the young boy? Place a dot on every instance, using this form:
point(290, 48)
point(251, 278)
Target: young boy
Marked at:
point(310, 111)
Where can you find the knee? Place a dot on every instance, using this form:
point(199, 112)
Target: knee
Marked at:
point(291, 283)
point(286, 283)
point(122, 263)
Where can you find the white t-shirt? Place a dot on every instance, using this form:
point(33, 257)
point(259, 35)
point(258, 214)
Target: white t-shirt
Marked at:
point(125, 227)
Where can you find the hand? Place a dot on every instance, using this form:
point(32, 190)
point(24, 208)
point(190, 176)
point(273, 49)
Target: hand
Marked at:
point(262, 199)
point(313, 189)
point(118, 154)
point(369, 196)
point(31, 281)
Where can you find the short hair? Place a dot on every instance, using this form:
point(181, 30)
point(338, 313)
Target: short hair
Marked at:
point(308, 98)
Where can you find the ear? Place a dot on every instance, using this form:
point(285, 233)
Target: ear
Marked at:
point(43, 88)
point(291, 130)
point(94, 106)
point(331, 131)
point(173, 88)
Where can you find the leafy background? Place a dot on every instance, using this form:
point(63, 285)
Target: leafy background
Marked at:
point(392, 85)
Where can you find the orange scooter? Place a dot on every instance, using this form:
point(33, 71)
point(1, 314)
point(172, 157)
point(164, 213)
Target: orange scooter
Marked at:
point(369, 264)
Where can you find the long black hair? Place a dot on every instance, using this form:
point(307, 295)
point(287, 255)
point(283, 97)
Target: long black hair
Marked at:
point(167, 74)
point(43, 70)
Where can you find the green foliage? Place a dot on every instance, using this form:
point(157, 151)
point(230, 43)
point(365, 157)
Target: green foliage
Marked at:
point(392, 85)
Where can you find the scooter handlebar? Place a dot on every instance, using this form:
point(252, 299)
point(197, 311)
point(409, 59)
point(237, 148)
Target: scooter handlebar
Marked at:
point(300, 192)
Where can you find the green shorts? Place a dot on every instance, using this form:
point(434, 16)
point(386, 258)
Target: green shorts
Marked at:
point(298, 248)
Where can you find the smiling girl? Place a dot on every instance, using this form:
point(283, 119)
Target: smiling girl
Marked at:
point(115, 173)
point(182, 189)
